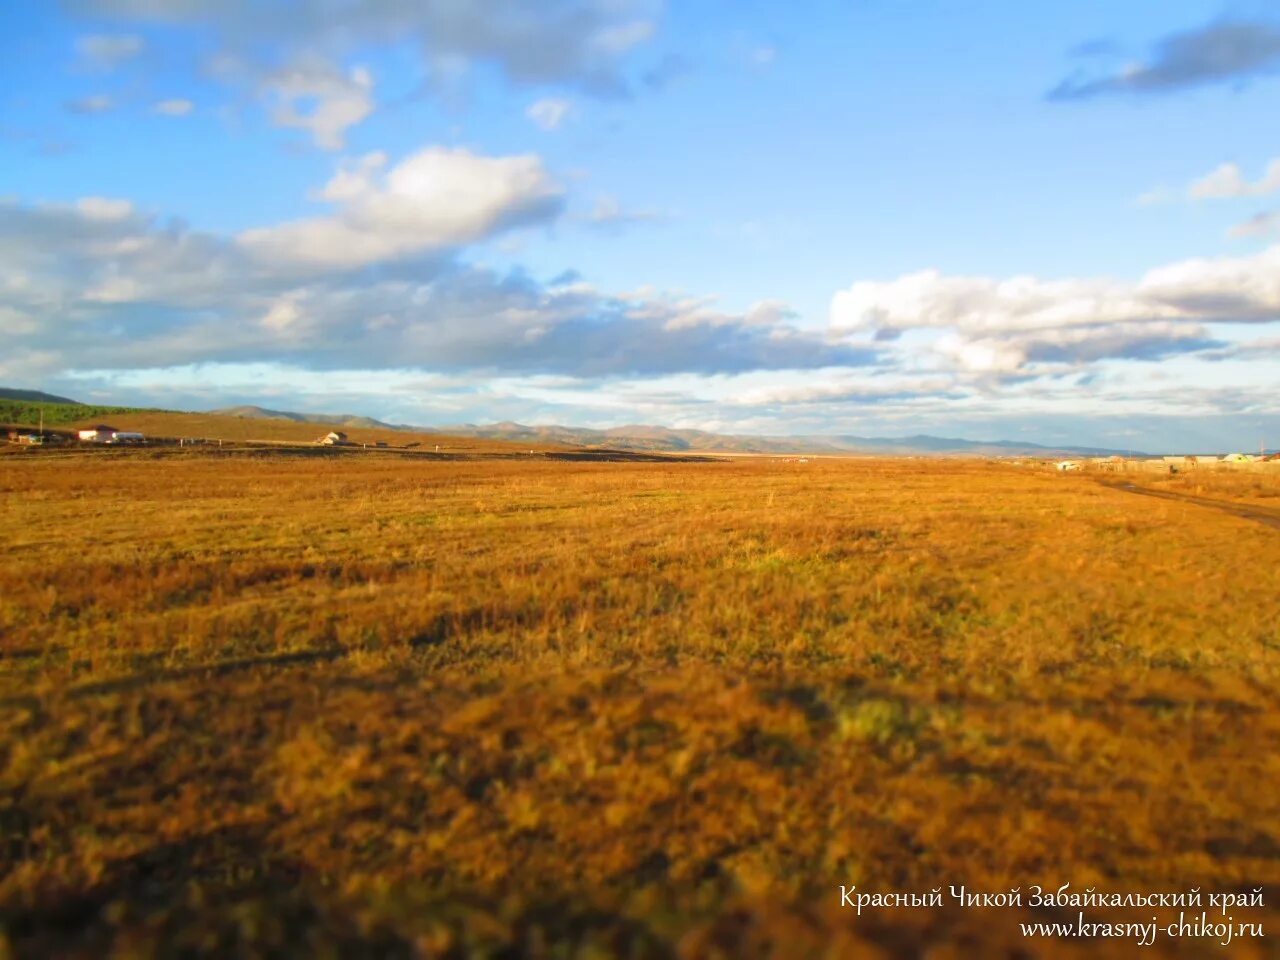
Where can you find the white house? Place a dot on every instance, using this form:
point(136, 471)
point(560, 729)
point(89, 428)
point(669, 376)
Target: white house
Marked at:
point(99, 434)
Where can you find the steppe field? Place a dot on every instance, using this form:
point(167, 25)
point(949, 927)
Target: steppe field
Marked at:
point(257, 702)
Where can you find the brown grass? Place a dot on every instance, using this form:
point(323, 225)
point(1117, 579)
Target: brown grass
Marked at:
point(1254, 483)
point(419, 708)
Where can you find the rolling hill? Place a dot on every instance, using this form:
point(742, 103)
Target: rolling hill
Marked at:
point(33, 396)
point(647, 438)
point(658, 439)
point(249, 412)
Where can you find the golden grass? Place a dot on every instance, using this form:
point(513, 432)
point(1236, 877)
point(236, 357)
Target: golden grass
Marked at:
point(1255, 483)
point(562, 709)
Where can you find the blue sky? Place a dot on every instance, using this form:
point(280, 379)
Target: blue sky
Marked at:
point(1055, 221)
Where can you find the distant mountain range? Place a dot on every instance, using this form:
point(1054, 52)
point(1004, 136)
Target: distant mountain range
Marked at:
point(645, 437)
point(328, 419)
point(654, 439)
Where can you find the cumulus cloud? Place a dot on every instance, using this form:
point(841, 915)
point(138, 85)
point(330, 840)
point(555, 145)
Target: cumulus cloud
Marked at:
point(107, 51)
point(1229, 181)
point(1002, 326)
point(1219, 289)
point(1220, 52)
point(101, 285)
point(550, 112)
point(982, 304)
point(176, 107)
point(320, 99)
point(433, 200)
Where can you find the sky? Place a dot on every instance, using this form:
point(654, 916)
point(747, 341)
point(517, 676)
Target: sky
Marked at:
point(1055, 222)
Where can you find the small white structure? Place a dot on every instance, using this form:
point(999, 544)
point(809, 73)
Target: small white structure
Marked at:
point(1064, 465)
point(334, 438)
point(99, 434)
point(1237, 458)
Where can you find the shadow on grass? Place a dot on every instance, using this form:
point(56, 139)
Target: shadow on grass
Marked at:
point(223, 892)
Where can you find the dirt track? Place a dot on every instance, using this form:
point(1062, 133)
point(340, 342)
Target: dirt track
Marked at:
point(1244, 511)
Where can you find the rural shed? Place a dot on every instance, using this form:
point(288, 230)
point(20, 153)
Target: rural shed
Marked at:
point(333, 438)
point(96, 434)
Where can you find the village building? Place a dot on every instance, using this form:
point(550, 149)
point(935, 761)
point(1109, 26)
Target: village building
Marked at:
point(97, 434)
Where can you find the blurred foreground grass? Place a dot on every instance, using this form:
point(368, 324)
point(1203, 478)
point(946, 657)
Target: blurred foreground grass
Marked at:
point(368, 706)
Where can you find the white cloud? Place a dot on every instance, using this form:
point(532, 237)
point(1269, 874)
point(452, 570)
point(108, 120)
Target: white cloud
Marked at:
point(609, 212)
point(173, 108)
point(1003, 326)
point(1259, 225)
point(98, 103)
point(574, 43)
point(283, 315)
point(1243, 289)
point(550, 112)
point(116, 290)
point(104, 209)
point(109, 288)
point(983, 304)
point(108, 51)
point(1228, 181)
point(983, 356)
point(320, 99)
point(432, 200)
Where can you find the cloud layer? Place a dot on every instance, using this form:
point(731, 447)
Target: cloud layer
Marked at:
point(572, 43)
point(1006, 326)
point(377, 284)
point(1220, 52)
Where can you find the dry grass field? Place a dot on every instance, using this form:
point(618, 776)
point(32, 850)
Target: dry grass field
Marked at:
point(260, 704)
point(1258, 484)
